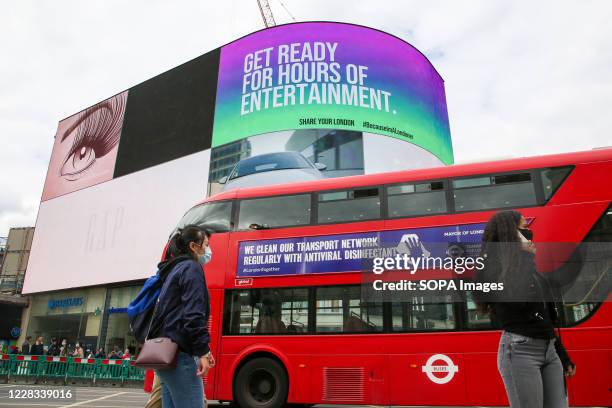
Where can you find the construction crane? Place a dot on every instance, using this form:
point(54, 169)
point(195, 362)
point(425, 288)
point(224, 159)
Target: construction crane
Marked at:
point(266, 13)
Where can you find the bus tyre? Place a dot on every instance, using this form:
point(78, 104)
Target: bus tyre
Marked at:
point(261, 383)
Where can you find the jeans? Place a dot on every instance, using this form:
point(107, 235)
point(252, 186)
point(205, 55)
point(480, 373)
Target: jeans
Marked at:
point(181, 387)
point(531, 371)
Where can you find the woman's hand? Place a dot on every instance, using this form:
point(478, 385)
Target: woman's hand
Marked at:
point(211, 360)
point(203, 366)
point(570, 370)
point(528, 246)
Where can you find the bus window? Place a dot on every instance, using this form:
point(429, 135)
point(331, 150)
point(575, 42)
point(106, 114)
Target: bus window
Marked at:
point(339, 310)
point(275, 212)
point(349, 205)
point(239, 314)
point(266, 311)
point(577, 313)
point(410, 200)
point(419, 315)
point(500, 191)
point(593, 284)
point(214, 216)
point(552, 179)
point(294, 310)
point(476, 319)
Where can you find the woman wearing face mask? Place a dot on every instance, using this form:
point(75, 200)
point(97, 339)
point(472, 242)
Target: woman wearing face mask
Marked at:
point(78, 351)
point(530, 359)
point(182, 315)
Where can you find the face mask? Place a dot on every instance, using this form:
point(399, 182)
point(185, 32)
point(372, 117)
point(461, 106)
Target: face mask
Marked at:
point(527, 233)
point(205, 257)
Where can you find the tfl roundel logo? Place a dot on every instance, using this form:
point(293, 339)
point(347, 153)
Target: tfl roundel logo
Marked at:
point(448, 368)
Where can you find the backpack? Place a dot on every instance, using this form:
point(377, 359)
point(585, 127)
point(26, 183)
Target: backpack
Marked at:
point(140, 310)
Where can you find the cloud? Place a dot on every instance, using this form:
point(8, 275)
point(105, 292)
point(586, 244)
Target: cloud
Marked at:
point(522, 77)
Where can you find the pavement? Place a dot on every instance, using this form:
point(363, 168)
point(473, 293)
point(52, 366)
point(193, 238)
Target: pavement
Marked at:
point(97, 397)
point(90, 397)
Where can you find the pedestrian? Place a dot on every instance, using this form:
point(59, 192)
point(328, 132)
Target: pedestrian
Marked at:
point(182, 315)
point(54, 348)
point(531, 359)
point(64, 348)
point(78, 351)
point(100, 353)
point(38, 349)
point(115, 353)
point(155, 395)
point(25, 347)
point(126, 355)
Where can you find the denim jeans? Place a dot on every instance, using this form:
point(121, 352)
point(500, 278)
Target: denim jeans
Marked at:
point(181, 387)
point(531, 371)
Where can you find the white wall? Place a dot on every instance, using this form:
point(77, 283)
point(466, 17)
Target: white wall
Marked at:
point(114, 231)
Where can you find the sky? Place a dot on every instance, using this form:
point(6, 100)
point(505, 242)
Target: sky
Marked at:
point(522, 78)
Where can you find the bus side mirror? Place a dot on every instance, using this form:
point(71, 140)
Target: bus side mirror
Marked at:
point(320, 166)
point(223, 180)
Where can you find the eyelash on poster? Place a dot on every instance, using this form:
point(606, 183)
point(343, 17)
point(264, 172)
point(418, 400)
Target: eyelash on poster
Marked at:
point(97, 128)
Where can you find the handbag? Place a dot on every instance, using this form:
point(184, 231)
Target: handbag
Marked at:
point(159, 353)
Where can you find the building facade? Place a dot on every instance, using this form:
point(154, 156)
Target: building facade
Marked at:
point(105, 218)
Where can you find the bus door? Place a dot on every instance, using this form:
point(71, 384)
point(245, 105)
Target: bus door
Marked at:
point(215, 277)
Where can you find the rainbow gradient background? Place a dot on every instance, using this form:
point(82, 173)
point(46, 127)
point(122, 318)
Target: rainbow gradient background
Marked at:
point(417, 90)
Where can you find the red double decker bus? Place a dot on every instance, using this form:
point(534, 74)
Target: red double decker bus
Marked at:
point(289, 325)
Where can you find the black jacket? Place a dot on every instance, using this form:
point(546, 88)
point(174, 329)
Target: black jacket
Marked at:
point(53, 350)
point(37, 350)
point(527, 305)
point(183, 308)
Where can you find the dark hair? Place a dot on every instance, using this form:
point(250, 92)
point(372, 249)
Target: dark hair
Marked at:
point(500, 239)
point(501, 246)
point(179, 243)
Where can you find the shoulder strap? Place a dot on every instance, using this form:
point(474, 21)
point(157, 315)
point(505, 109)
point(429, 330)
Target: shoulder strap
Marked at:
point(163, 290)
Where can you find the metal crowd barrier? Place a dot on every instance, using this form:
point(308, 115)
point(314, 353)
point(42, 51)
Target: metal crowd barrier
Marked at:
point(69, 370)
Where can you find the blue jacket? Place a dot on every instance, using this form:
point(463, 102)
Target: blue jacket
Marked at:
point(183, 309)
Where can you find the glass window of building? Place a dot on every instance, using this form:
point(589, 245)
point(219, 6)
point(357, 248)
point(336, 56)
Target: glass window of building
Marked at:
point(73, 315)
point(116, 334)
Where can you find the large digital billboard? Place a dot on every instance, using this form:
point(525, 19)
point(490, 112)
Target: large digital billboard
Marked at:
point(330, 76)
point(296, 102)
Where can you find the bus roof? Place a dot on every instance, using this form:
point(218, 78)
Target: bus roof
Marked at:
point(432, 173)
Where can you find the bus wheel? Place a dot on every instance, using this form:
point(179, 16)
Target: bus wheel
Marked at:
point(261, 383)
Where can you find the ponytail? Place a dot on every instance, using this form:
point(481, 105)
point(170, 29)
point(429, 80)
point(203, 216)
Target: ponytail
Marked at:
point(179, 242)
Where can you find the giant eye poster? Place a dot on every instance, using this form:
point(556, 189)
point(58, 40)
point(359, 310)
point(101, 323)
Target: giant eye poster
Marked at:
point(85, 148)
